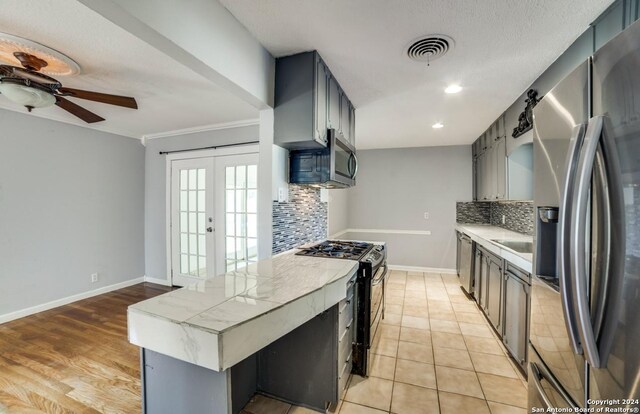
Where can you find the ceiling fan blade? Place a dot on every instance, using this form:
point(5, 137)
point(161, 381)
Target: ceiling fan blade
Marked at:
point(87, 116)
point(125, 101)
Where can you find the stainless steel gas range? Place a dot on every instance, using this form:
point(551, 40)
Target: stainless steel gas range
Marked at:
point(370, 290)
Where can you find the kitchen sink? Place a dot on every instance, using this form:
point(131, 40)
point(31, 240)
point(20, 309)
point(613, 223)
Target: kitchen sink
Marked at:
point(517, 246)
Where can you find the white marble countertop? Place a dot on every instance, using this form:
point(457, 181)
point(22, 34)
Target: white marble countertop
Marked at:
point(219, 321)
point(484, 235)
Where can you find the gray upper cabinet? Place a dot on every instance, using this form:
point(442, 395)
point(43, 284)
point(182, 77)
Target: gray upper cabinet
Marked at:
point(302, 101)
point(500, 151)
point(345, 115)
point(352, 124)
point(333, 119)
point(490, 166)
point(320, 113)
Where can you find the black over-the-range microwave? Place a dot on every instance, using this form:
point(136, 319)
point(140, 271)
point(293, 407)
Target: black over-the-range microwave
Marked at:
point(335, 166)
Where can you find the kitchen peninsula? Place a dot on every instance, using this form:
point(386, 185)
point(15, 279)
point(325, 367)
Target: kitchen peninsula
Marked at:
point(272, 327)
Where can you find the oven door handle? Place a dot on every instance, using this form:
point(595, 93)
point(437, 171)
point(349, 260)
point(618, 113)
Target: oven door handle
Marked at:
point(379, 280)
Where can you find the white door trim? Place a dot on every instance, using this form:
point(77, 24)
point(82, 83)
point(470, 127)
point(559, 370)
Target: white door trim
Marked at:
point(235, 150)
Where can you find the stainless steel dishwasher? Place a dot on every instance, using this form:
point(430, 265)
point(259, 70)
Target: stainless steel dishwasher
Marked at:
point(466, 263)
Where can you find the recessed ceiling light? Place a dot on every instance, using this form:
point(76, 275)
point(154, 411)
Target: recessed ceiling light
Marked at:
point(453, 88)
point(437, 125)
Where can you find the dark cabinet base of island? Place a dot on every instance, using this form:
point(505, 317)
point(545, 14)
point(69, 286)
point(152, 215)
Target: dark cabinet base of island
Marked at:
point(298, 368)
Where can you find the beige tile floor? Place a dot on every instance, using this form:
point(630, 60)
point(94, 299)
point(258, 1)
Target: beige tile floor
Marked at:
point(434, 353)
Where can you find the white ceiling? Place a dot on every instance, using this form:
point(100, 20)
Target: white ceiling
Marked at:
point(502, 46)
point(170, 96)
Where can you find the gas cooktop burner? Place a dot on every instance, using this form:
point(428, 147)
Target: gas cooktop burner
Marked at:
point(337, 249)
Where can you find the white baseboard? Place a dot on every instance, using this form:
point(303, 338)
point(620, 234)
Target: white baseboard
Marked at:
point(157, 281)
point(69, 299)
point(423, 269)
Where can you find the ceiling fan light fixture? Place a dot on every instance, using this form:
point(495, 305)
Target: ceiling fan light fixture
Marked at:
point(437, 125)
point(453, 88)
point(27, 96)
point(58, 64)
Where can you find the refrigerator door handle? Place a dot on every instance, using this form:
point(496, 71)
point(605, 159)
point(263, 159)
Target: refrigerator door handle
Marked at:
point(612, 269)
point(564, 235)
point(580, 208)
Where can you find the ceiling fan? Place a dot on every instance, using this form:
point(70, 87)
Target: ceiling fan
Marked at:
point(26, 86)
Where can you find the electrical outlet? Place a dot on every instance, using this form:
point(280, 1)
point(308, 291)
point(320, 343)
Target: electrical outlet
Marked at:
point(94, 277)
point(503, 219)
point(426, 215)
point(283, 194)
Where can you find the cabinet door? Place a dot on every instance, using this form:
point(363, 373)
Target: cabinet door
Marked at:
point(494, 281)
point(352, 123)
point(480, 280)
point(480, 177)
point(474, 181)
point(501, 128)
point(516, 317)
point(501, 168)
point(345, 112)
point(321, 102)
point(492, 172)
point(333, 119)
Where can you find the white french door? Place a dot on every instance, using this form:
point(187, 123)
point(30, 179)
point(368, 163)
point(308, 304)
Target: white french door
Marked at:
point(237, 181)
point(192, 220)
point(214, 216)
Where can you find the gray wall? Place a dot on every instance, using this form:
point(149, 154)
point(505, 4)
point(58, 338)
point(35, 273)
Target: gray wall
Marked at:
point(155, 254)
point(396, 186)
point(71, 204)
point(338, 214)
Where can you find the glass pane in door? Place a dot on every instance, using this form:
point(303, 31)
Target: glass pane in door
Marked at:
point(193, 260)
point(241, 221)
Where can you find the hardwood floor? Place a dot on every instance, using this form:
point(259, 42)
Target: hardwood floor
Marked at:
point(75, 358)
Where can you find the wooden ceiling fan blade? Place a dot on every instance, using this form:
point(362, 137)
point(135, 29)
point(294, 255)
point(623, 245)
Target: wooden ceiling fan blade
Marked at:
point(87, 116)
point(125, 101)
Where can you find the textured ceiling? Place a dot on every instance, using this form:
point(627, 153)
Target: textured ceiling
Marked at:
point(170, 95)
point(501, 47)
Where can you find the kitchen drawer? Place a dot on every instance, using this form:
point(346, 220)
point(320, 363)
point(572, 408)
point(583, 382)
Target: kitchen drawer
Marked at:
point(345, 341)
point(344, 372)
point(345, 312)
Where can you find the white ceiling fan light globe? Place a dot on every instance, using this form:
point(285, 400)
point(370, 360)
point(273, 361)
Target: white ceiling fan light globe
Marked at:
point(26, 95)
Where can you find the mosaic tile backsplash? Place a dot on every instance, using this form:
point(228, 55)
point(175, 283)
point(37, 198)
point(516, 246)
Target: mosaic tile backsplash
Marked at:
point(302, 219)
point(518, 214)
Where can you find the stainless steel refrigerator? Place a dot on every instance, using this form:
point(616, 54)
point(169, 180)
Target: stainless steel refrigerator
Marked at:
point(585, 301)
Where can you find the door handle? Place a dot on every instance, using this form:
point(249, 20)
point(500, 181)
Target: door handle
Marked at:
point(210, 229)
point(564, 235)
point(580, 206)
point(355, 170)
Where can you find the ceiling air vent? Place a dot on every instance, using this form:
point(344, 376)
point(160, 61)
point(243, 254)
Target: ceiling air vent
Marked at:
point(429, 48)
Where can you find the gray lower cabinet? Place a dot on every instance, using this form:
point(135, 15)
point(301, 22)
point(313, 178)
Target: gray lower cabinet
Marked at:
point(346, 332)
point(493, 267)
point(502, 291)
point(516, 312)
point(480, 279)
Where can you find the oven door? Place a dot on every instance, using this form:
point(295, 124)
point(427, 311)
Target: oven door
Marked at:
point(377, 300)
